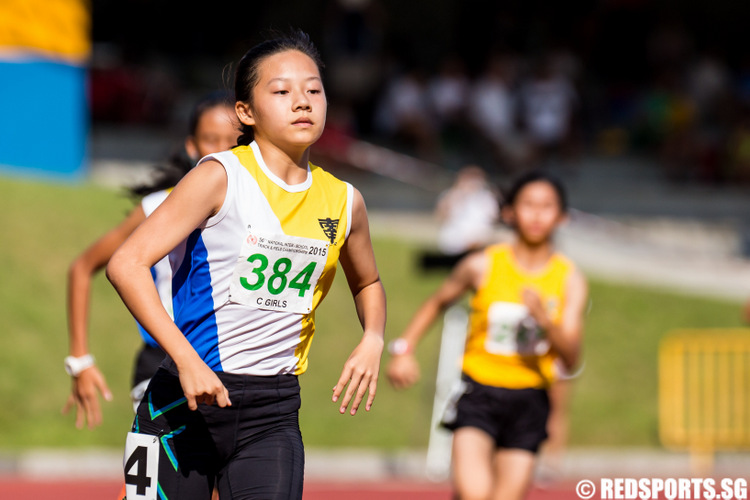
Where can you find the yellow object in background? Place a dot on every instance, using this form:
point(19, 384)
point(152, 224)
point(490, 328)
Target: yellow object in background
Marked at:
point(52, 29)
point(704, 392)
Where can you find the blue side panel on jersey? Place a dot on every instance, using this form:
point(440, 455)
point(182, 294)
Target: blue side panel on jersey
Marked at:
point(44, 119)
point(148, 339)
point(193, 302)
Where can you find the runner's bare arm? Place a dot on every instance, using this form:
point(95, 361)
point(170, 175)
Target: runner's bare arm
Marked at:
point(403, 369)
point(198, 196)
point(91, 382)
point(357, 259)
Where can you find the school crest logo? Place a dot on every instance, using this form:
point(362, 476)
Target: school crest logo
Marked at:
point(329, 227)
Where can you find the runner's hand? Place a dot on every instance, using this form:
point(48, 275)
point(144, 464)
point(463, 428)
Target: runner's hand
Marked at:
point(361, 374)
point(403, 371)
point(85, 397)
point(201, 385)
point(533, 302)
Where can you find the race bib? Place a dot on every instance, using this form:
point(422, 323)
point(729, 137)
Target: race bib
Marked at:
point(278, 272)
point(512, 330)
point(141, 465)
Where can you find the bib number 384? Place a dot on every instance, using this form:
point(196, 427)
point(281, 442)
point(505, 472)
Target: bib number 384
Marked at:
point(141, 465)
point(278, 272)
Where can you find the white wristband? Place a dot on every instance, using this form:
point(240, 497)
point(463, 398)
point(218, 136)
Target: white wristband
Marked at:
point(75, 365)
point(399, 347)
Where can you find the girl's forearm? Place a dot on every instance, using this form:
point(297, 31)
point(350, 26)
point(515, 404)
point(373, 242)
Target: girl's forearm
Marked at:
point(370, 303)
point(568, 349)
point(421, 322)
point(79, 286)
point(135, 286)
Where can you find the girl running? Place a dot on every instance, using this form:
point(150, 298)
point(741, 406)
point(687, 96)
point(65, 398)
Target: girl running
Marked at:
point(526, 312)
point(260, 231)
point(212, 127)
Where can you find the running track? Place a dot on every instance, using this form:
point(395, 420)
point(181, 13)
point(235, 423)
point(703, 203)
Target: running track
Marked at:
point(20, 489)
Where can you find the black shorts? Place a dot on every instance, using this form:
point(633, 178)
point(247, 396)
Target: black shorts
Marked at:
point(514, 418)
point(252, 449)
point(146, 363)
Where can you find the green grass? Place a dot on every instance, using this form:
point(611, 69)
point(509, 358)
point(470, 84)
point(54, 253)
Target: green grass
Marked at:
point(46, 226)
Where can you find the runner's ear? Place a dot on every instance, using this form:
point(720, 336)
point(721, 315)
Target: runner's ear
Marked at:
point(244, 113)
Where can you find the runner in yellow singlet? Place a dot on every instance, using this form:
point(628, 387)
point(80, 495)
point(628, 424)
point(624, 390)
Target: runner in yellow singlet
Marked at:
point(526, 313)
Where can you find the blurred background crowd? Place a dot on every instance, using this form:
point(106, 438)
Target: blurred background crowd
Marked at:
point(505, 84)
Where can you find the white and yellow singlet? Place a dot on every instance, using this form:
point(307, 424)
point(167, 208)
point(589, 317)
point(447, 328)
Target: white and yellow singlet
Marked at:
point(247, 282)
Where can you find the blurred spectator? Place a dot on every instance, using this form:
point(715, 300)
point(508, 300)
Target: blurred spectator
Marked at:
point(709, 86)
point(548, 104)
point(404, 114)
point(448, 92)
point(708, 83)
point(492, 111)
point(467, 212)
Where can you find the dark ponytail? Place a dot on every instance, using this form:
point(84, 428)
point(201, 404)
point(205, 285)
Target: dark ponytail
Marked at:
point(179, 164)
point(247, 74)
